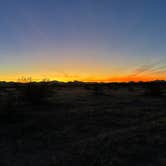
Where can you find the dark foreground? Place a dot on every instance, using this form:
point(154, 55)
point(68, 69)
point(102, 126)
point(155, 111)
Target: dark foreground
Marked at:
point(83, 125)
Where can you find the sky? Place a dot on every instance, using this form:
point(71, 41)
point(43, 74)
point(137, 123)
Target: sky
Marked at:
point(84, 40)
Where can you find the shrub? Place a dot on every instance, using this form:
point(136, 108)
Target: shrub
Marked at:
point(154, 89)
point(8, 102)
point(98, 90)
point(36, 93)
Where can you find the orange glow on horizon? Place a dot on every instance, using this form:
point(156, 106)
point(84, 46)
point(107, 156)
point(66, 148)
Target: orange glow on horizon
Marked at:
point(83, 78)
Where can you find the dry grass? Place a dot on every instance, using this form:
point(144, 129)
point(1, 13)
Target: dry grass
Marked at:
point(120, 127)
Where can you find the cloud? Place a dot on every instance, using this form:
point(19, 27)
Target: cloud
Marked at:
point(145, 72)
point(144, 69)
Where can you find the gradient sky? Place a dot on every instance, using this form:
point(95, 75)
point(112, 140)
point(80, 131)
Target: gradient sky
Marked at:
point(86, 40)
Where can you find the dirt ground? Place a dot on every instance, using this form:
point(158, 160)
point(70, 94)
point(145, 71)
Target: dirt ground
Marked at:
point(84, 126)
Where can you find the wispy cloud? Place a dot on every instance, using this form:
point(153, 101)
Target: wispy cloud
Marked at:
point(144, 69)
point(145, 72)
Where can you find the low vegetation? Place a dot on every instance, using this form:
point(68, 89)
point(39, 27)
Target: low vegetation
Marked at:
point(154, 89)
point(35, 93)
point(51, 123)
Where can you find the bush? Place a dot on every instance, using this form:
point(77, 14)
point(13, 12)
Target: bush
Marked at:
point(154, 89)
point(8, 102)
point(36, 93)
point(98, 90)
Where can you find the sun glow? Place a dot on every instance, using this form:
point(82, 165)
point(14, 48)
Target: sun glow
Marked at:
point(64, 77)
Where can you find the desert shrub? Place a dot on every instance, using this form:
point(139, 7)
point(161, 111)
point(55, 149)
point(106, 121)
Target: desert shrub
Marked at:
point(131, 89)
point(153, 89)
point(8, 104)
point(36, 93)
point(87, 87)
point(98, 90)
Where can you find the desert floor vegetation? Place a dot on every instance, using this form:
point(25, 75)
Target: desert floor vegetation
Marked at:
point(83, 124)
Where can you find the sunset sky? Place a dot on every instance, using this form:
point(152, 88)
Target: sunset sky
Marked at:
point(85, 40)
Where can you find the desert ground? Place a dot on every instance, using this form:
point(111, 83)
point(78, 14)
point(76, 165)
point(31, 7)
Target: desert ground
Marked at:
point(83, 124)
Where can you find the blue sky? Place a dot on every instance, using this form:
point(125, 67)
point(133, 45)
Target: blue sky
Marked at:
point(88, 38)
